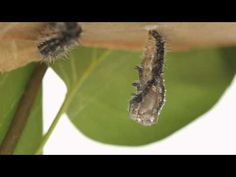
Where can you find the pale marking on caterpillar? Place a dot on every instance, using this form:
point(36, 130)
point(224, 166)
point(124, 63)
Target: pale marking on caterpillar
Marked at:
point(145, 106)
point(57, 39)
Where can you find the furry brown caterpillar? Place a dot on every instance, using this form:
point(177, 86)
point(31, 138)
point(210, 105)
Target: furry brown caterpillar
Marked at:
point(57, 38)
point(146, 104)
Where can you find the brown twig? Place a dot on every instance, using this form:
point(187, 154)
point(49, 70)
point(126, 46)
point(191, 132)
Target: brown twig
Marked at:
point(23, 110)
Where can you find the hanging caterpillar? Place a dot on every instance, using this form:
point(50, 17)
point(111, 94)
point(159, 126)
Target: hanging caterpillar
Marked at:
point(145, 106)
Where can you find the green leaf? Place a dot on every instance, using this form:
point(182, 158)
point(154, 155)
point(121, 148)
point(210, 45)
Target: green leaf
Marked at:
point(12, 85)
point(99, 89)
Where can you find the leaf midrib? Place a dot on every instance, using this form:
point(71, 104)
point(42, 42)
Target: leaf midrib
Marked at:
point(72, 92)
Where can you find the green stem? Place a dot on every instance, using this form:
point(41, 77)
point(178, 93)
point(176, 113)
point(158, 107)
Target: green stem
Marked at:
point(69, 98)
point(52, 126)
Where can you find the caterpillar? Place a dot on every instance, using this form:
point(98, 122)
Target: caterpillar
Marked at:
point(57, 39)
point(145, 106)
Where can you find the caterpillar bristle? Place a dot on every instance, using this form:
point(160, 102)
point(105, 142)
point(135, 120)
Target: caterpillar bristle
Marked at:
point(135, 84)
point(138, 68)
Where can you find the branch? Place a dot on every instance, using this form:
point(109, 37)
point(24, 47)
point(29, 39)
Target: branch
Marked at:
point(18, 40)
point(23, 110)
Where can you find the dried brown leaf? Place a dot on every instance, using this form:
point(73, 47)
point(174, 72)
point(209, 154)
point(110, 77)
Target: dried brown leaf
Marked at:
point(18, 40)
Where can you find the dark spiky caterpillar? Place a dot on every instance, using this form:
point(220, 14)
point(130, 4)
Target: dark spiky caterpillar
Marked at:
point(146, 104)
point(57, 38)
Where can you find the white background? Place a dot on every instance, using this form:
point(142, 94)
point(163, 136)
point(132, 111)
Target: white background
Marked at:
point(212, 133)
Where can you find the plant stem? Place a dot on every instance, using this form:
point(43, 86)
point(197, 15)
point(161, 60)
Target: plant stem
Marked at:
point(69, 98)
point(23, 110)
point(52, 127)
